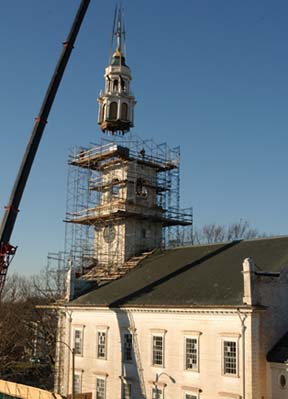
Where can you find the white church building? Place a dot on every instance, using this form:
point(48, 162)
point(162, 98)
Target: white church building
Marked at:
point(187, 322)
point(195, 322)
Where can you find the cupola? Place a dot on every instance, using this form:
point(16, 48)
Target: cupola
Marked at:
point(116, 104)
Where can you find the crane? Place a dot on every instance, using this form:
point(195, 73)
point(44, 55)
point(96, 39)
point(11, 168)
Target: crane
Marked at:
point(7, 251)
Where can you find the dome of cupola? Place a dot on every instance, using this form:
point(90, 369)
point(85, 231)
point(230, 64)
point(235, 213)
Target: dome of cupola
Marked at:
point(118, 60)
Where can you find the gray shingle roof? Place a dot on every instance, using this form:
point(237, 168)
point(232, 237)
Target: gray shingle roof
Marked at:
point(279, 353)
point(200, 275)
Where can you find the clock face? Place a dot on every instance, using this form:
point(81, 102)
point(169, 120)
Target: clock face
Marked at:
point(109, 233)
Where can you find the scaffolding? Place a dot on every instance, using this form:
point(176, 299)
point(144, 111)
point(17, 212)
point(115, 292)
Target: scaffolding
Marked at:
point(108, 183)
point(55, 274)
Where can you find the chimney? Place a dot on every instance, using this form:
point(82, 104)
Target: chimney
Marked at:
point(249, 278)
point(70, 284)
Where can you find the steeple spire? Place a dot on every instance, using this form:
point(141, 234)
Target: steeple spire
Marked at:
point(119, 33)
point(116, 105)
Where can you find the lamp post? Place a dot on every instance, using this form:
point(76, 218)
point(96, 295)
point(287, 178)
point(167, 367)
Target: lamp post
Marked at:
point(156, 382)
point(72, 350)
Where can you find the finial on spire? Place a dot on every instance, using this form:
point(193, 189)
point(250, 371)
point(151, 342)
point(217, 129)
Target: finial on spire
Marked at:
point(118, 31)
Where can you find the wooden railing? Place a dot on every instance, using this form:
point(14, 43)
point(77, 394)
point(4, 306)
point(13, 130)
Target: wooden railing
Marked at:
point(14, 390)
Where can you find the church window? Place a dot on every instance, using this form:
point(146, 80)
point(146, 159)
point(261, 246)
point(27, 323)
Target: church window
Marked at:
point(115, 188)
point(101, 345)
point(123, 86)
point(157, 350)
point(191, 353)
point(78, 341)
point(115, 85)
point(124, 112)
point(113, 111)
point(127, 347)
point(230, 354)
point(100, 388)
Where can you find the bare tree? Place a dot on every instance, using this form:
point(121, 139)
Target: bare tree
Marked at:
point(28, 333)
point(213, 233)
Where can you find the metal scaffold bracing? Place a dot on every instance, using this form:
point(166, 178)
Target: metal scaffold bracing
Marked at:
point(108, 185)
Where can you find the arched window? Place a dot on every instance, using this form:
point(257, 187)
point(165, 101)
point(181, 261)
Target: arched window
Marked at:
point(123, 85)
point(124, 112)
point(104, 112)
point(115, 85)
point(115, 187)
point(113, 111)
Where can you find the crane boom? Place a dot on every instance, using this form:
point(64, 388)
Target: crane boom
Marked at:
point(7, 251)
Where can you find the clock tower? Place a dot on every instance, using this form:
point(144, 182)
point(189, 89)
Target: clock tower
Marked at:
point(132, 185)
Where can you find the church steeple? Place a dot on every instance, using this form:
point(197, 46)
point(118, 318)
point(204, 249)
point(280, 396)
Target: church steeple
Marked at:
point(116, 104)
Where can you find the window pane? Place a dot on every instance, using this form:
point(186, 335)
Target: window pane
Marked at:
point(100, 388)
point(77, 383)
point(230, 357)
point(157, 350)
point(189, 396)
point(191, 354)
point(101, 348)
point(127, 350)
point(78, 342)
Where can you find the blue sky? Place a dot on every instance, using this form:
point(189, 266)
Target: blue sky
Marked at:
point(208, 75)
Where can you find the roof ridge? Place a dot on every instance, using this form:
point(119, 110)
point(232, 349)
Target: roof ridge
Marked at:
point(227, 242)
